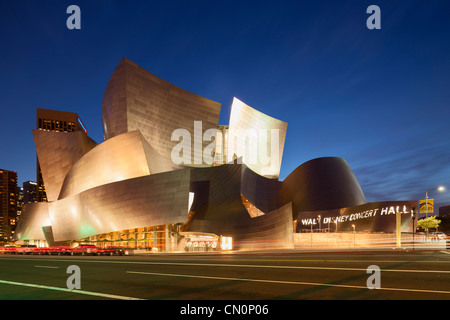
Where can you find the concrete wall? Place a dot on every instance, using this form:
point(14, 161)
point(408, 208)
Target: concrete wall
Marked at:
point(362, 240)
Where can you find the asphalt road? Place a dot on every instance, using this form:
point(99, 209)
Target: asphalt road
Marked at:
point(256, 277)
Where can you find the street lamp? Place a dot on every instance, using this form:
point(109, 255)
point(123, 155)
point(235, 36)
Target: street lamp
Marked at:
point(413, 229)
point(440, 188)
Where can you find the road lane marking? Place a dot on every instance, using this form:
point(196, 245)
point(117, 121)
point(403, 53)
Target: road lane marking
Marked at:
point(285, 282)
point(293, 267)
point(90, 293)
point(340, 260)
point(246, 265)
point(48, 267)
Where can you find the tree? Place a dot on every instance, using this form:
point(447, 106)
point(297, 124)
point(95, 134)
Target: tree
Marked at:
point(428, 223)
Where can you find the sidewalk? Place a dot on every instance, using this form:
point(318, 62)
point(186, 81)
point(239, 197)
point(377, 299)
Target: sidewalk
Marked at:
point(296, 251)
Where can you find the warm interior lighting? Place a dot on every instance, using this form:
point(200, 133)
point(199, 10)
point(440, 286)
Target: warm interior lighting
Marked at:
point(227, 243)
point(251, 209)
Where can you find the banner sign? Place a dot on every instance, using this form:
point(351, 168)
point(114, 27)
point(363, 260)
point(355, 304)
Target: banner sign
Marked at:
point(426, 207)
point(369, 217)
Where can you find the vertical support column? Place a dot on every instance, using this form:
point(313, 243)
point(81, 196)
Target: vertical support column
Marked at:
point(166, 231)
point(155, 237)
point(177, 236)
point(398, 217)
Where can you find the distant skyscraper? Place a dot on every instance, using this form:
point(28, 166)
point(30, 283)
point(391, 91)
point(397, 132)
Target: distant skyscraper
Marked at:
point(29, 192)
point(8, 203)
point(19, 202)
point(56, 121)
point(444, 212)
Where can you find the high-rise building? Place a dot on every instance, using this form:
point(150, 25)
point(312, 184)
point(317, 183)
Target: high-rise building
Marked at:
point(444, 212)
point(8, 204)
point(19, 202)
point(29, 192)
point(56, 121)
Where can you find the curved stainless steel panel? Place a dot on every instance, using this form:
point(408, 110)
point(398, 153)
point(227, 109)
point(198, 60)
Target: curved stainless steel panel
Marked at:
point(218, 207)
point(122, 157)
point(264, 193)
point(135, 99)
point(249, 134)
point(322, 184)
point(145, 201)
point(57, 153)
point(34, 216)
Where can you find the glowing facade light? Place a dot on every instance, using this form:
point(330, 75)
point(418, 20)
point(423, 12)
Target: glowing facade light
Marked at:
point(227, 243)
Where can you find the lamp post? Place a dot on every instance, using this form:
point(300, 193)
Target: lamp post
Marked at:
point(413, 229)
point(440, 188)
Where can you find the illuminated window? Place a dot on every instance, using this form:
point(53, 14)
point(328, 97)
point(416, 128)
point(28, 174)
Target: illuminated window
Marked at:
point(251, 209)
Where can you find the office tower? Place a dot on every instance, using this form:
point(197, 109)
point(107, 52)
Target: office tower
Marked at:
point(29, 192)
point(56, 121)
point(8, 203)
point(444, 212)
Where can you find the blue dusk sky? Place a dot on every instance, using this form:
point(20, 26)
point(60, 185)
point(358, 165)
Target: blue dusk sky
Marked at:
point(380, 99)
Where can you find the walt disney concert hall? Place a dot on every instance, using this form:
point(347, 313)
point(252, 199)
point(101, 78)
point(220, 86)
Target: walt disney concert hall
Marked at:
point(169, 176)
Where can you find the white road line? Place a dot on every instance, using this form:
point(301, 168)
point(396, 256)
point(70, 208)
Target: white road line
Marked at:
point(47, 267)
point(243, 265)
point(90, 293)
point(285, 282)
point(293, 267)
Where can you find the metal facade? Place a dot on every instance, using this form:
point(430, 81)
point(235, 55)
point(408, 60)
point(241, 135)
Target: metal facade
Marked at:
point(135, 99)
point(257, 138)
point(123, 157)
point(137, 202)
point(129, 180)
point(57, 152)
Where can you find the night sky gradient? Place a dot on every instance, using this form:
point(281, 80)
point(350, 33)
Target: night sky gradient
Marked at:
point(380, 99)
